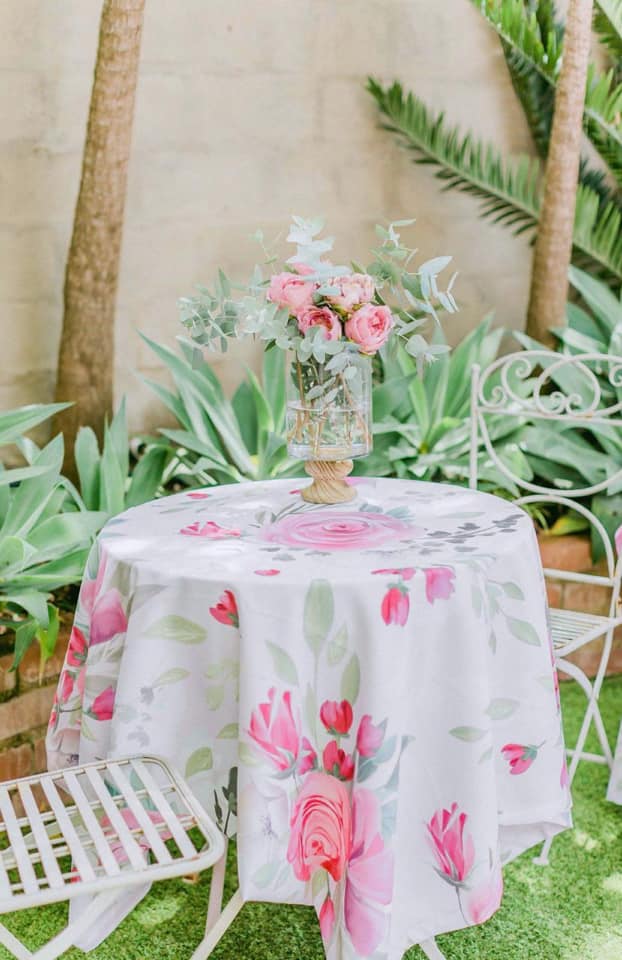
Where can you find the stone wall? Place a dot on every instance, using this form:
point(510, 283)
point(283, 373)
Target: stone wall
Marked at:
point(246, 113)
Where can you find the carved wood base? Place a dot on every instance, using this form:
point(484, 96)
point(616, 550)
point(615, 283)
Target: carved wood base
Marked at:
point(329, 482)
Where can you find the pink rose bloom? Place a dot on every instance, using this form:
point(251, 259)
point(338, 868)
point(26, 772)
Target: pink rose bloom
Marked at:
point(354, 289)
point(482, 902)
point(519, 757)
point(336, 717)
point(454, 851)
point(406, 573)
point(226, 610)
point(275, 730)
point(337, 762)
point(312, 316)
point(439, 583)
point(76, 652)
point(395, 607)
point(320, 828)
point(290, 292)
point(369, 737)
point(369, 882)
point(369, 326)
point(308, 758)
point(104, 609)
point(103, 705)
point(326, 916)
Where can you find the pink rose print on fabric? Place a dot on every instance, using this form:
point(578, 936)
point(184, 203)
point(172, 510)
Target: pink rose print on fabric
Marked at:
point(209, 530)
point(198, 495)
point(564, 779)
point(226, 610)
point(453, 849)
point(336, 717)
point(76, 651)
point(482, 902)
point(103, 705)
point(439, 583)
point(66, 686)
point(103, 608)
point(275, 730)
point(406, 573)
point(519, 757)
point(369, 737)
point(395, 606)
point(320, 828)
point(326, 916)
point(337, 761)
point(308, 758)
point(618, 540)
point(337, 531)
point(369, 879)
point(267, 573)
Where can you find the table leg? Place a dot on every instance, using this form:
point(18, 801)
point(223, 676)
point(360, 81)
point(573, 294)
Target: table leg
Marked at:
point(214, 907)
point(431, 950)
point(219, 929)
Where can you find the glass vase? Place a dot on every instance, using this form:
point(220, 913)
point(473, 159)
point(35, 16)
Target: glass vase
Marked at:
point(328, 413)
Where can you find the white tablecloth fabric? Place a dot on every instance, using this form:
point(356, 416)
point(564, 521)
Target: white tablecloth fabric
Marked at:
point(363, 693)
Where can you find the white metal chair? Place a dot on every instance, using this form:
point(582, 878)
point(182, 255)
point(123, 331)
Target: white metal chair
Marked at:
point(535, 385)
point(103, 829)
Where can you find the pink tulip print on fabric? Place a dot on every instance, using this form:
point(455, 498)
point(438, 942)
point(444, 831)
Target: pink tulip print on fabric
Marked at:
point(364, 695)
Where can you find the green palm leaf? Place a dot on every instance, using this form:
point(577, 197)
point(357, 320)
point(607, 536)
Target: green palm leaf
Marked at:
point(608, 24)
point(510, 193)
point(520, 31)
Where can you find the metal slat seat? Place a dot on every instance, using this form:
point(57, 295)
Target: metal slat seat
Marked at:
point(571, 629)
point(97, 829)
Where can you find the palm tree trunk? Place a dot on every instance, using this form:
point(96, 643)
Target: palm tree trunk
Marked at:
point(553, 248)
point(86, 354)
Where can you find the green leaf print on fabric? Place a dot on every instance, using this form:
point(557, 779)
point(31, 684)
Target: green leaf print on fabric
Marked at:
point(228, 732)
point(319, 613)
point(523, 631)
point(215, 696)
point(500, 708)
point(513, 591)
point(199, 761)
point(174, 675)
point(338, 646)
point(178, 629)
point(470, 734)
point(283, 664)
point(351, 680)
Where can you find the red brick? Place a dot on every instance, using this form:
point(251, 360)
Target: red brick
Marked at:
point(587, 598)
point(554, 592)
point(40, 763)
point(571, 552)
point(23, 713)
point(8, 677)
point(16, 762)
point(29, 667)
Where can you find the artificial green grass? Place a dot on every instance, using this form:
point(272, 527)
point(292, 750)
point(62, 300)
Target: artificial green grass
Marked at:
point(571, 910)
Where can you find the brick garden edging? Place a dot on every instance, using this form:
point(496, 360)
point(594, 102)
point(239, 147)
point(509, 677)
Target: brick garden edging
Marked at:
point(25, 704)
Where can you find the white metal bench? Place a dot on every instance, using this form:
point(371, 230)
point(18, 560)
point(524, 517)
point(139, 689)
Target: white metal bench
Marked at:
point(101, 829)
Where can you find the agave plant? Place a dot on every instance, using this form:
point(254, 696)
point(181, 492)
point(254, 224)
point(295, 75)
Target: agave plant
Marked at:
point(422, 426)
point(510, 190)
point(107, 480)
point(221, 440)
point(45, 533)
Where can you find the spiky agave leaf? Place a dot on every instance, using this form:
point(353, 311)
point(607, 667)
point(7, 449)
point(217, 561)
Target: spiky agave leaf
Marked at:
point(608, 25)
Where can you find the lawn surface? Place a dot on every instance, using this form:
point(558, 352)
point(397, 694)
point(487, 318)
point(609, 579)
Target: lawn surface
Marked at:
point(571, 910)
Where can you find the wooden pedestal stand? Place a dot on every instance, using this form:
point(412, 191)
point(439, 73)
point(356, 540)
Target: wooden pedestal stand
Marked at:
point(329, 482)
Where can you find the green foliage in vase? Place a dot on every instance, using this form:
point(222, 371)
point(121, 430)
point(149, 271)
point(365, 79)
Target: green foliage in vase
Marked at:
point(221, 440)
point(45, 533)
point(510, 189)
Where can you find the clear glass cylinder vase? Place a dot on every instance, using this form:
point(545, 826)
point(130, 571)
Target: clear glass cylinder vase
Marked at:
point(328, 413)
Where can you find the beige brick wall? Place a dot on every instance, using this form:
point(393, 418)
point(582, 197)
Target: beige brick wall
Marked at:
point(246, 112)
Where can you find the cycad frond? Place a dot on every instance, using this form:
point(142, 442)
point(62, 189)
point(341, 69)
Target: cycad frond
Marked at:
point(510, 193)
point(608, 25)
point(521, 32)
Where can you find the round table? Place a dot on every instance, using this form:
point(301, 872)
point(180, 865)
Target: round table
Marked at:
point(364, 694)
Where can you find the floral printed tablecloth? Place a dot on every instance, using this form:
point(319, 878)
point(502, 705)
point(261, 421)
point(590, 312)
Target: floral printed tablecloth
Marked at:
point(363, 693)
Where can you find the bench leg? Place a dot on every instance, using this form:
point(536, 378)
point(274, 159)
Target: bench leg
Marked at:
point(13, 945)
point(67, 937)
point(219, 928)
